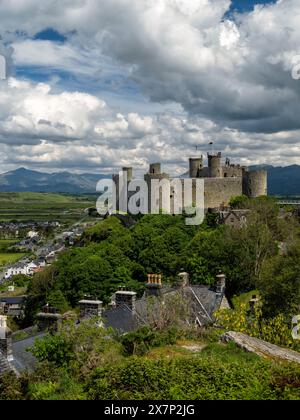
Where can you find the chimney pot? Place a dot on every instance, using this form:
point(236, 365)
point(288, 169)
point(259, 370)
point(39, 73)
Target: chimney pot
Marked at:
point(183, 279)
point(220, 283)
point(154, 286)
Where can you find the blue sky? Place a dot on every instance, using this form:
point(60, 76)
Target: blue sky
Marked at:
point(246, 5)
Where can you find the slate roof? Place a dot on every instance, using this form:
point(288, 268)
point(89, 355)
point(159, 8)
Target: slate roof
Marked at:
point(23, 359)
point(4, 365)
point(17, 300)
point(203, 302)
point(121, 319)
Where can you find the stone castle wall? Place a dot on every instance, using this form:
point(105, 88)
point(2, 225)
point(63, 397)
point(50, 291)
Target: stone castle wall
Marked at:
point(219, 191)
point(221, 183)
point(232, 170)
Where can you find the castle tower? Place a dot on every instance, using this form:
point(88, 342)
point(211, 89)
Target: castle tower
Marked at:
point(155, 174)
point(196, 165)
point(255, 184)
point(155, 169)
point(215, 165)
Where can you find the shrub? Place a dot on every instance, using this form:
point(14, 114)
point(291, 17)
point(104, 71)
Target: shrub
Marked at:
point(192, 378)
point(274, 330)
point(142, 340)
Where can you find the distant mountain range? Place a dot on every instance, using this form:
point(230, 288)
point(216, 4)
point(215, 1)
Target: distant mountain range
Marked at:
point(24, 180)
point(281, 181)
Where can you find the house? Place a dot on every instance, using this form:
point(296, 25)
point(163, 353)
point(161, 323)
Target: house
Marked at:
point(234, 218)
point(192, 304)
point(25, 267)
point(16, 269)
point(12, 306)
point(36, 266)
point(32, 234)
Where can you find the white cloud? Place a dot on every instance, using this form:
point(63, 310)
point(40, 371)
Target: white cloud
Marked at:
point(232, 79)
point(48, 130)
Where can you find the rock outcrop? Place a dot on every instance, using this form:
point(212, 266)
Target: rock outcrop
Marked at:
point(261, 348)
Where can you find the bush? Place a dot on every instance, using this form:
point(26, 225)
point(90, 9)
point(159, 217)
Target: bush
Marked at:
point(141, 341)
point(274, 330)
point(193, 378)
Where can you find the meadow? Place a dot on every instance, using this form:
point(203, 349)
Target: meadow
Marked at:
point(44, 207)
point(7, 258)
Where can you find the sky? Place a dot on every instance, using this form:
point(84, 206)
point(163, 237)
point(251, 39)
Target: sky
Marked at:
point(95, 85)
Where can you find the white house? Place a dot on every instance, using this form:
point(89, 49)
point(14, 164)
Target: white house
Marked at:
point(27, 269)
point(14, 270)
point(32, 234)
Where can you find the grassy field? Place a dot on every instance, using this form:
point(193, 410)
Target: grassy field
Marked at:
point(9, 258)
point(43, 207)
point(6, 243)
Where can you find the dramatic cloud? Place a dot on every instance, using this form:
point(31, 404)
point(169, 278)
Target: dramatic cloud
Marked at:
point(44, 129)
point(231, 79)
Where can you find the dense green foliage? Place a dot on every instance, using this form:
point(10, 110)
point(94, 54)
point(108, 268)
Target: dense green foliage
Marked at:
point(89, 362)
point(112, 255)
point(82, 363)
point(142, 340)
point(279, 283)
point(205, 377)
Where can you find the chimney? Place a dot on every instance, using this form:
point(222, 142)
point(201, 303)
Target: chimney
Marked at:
point(124, 297)
point(5, 339)
point(154, 285)
point(90, 309)
point(49, 319)
point(183, 279)
point(220, 283)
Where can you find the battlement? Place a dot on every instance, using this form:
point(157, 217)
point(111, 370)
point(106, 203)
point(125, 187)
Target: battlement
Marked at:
point(221, 181)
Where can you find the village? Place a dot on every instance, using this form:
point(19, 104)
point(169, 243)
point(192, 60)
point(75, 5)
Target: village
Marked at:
point(41, 251)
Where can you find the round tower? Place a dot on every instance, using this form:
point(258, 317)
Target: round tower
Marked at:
point(196, 165)
point(255, 183)
point(155, 169)
point(215, 165)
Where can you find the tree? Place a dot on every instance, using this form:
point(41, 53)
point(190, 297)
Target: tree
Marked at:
point(239, 202)
point(57, 300)
point(21, 280)
point(279, 284)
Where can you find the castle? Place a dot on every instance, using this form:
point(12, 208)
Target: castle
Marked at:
point(222, 180)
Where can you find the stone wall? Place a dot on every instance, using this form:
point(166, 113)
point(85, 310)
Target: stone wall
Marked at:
point(219, 191)
point(232, 171)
